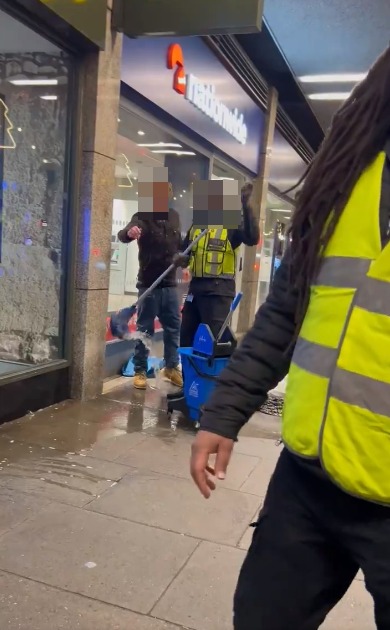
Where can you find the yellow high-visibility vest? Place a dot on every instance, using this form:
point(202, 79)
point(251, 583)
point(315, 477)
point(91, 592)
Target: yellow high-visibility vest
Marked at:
point(213, 255)
point(337, 404)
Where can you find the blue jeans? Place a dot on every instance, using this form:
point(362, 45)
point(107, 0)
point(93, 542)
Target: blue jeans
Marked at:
point(164, 304)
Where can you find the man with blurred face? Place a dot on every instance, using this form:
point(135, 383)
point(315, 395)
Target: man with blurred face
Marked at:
point(156, 228)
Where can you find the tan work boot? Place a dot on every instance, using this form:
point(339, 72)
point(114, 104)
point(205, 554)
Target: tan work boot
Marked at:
point(173, 375)
point(140, 380)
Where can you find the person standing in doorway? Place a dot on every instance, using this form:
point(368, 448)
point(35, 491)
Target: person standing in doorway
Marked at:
point(326, 322)
point(213, 261)
point(156, 228)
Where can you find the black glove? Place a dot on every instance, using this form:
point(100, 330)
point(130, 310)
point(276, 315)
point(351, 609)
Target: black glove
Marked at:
point(181, 260)
point(246, 192)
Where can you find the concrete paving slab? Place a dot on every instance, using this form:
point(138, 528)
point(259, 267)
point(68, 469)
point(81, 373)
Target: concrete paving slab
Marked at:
point(262, 425)
point(17, 507)
point(258, 447)
point(201, 597)
point(258, 481)
point(25, 604)
point(354, 612)
point(111, 560)
point(55, 475)
point(176, 505)
point(71, 426)
point(172, 457)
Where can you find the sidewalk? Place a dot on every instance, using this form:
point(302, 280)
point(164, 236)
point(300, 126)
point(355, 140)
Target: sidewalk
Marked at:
point(101, 527)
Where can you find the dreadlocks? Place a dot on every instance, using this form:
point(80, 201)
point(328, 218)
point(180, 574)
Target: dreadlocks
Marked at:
point(358, 133)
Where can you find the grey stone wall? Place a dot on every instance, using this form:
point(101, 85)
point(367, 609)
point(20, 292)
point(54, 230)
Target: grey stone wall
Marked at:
point(31, 267)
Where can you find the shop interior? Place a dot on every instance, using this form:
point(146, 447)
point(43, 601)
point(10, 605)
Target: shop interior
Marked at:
point(270, 252)
point(142, 143)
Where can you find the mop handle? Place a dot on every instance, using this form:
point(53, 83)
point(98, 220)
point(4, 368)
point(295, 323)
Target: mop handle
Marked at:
point(170, 268)
point(233, 307)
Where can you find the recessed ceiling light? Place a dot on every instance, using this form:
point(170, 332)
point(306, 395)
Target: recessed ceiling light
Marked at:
point(329, 96)
point(34, 82)
point(184, 191)
point(168, 151)
point(19, 129)
point(141, 133)
point(181, 195)
point(151, 145)
point(119, 120)
point(49, 97)
point(174, 198)
point(352, 77)
point(33, 147)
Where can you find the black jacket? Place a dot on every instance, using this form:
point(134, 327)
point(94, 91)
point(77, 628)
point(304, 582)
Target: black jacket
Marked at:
point(248, 234)
point(158, 243)
point(263, 358)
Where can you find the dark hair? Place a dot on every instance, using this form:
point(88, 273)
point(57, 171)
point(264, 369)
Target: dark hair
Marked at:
point(357, 134)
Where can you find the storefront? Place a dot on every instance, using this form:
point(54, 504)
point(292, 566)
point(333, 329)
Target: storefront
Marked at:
point(38, 72)
point(180, 108)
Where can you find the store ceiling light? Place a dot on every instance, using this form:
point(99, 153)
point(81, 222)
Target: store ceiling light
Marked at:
point(152, 145)
point(280, 210)
point(329, 96)
point(49, 97)
point(141, 133)
point(26, 82)
point(352, 77)
point(172, 151)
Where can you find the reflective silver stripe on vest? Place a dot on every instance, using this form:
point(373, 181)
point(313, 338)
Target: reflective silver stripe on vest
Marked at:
point(212, 262)
point(361, 391)
point(315, 358)
point(374, 296)
point(342, 272)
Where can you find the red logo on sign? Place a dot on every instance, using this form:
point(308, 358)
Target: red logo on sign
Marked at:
point(175, 59)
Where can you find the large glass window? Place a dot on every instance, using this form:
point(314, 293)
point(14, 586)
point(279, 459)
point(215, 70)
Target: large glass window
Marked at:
point(225, 172)
point(33, 132)
point(142, 143)
point(270, 251)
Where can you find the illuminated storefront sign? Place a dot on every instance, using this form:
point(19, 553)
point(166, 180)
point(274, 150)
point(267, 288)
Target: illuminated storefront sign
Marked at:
point(204, 97)
point(192, 89)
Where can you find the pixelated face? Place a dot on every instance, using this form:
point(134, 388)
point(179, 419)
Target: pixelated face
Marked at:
point(154, 192)
point(216, 203)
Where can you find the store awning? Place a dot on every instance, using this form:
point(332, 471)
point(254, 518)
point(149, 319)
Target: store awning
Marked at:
point(174, 17)
point(88, 17)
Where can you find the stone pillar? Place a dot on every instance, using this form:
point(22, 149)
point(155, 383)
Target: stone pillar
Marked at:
point(100, 91)
point(250, 275)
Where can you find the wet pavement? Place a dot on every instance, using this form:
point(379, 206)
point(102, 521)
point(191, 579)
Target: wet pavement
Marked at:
point(101, 527)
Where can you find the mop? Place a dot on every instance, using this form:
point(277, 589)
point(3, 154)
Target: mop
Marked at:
point(119, 322)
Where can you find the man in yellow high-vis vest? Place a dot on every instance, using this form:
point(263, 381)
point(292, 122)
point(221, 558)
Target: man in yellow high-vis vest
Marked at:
point(213, 267)
point(326, 323)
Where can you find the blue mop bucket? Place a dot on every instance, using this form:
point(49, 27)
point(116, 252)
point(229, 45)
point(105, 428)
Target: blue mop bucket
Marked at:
point(200, 378)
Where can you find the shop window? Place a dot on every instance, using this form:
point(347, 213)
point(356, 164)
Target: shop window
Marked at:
point(274, 241)
point(33, 133)
point(142, 143)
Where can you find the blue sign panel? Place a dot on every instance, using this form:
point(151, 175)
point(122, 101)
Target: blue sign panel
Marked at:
point(183, 77)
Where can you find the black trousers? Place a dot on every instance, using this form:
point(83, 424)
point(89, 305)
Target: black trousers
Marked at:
point(210, 309)
point(309, 542)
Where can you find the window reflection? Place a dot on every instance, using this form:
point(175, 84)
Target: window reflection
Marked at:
point(33, 130)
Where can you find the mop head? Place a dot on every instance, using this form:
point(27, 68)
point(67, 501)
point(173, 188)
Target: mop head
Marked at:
point(119, 322)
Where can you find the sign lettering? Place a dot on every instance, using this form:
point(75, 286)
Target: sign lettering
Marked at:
point(203, 96)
